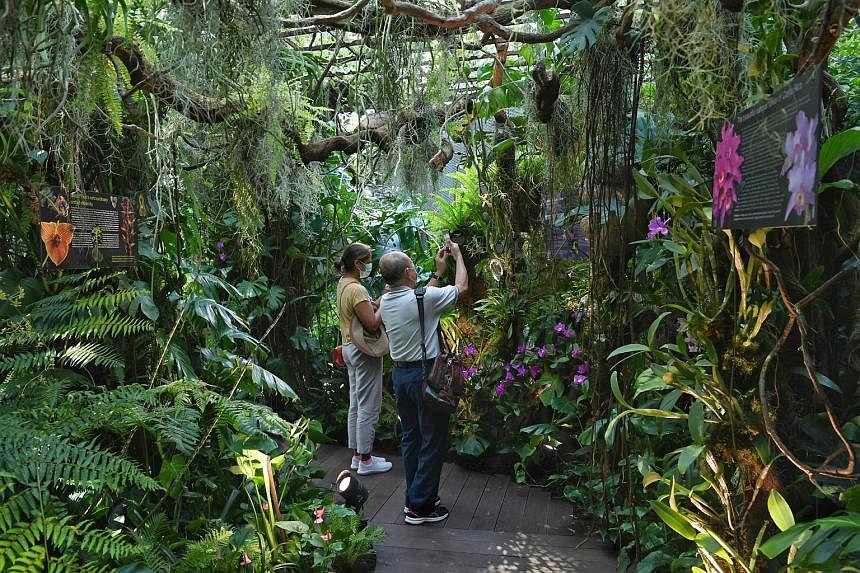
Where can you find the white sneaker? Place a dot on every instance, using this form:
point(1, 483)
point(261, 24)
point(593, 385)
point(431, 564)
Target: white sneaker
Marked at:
point(374, 466)
point(357, 460)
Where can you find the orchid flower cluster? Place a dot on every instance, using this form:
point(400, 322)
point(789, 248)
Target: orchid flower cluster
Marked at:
point(556, 354)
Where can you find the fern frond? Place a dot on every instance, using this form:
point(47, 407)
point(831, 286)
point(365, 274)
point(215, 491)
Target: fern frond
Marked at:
point(59, 462)
point(104, 326)
point(98, 282)
point(30, 361)
point(104, 90)
point(111, 544)
point(30, 558)
point(153, 541)
point(107, 302)
point(91, 353)
point(15, 506)
point(213, 553)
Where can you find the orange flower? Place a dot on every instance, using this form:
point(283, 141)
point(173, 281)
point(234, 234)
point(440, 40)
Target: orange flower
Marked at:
point(57, 238)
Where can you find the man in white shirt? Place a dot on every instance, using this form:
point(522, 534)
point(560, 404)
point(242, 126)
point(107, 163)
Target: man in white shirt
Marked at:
point(425, 432)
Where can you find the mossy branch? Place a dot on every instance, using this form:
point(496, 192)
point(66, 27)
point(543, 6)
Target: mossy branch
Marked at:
point(145, 77)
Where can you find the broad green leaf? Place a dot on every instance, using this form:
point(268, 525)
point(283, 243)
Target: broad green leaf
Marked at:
point(293, 526)
point(609, 436)
point(851, 498)
point(696, 422)
point(649, 380)
point(583, 8)
point(650, 478)
point(836, 147)
point(627, 348)
point(674, 519)
point(652, 330)
point(822, 379)
point(688, 456)
point(147, 305)
point(841, 184)
point(539, 429)
point(676, 248)
point(782, 541)
point(758, 237)
point(644, 185)
point(708, 543)
point(780, 511)
point(616, 391)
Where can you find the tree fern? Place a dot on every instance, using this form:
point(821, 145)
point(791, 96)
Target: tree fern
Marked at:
point(215, 552)
point(92, 353)
point(52, 461)
point(105, 91)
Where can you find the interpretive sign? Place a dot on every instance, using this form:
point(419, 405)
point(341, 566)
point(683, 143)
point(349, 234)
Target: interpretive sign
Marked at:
point(87, 230)
point(767, 161)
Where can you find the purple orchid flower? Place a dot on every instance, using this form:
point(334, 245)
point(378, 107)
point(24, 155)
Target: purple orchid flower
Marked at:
point(569, 333)
point(521, 349)
point(534, 371)
point(576, 351)
point(541, 352)
point(509, 376)
point(579, 379)
point(727, 172)
point(658, 226)
point(801, 154)
point(470, 350)
point(222, 256)
point(582, 368)
point(220, 244)
point(521, 370)
point(501, 389)
point(560, 327)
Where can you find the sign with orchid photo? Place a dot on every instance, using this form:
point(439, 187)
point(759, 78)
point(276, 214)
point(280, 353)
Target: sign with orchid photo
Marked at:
point(87, 230)
point(765, 173)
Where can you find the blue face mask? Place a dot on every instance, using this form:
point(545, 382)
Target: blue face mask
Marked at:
point(366, 271)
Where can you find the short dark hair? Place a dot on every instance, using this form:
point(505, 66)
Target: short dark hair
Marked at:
point(352, 253)
point(392, 266)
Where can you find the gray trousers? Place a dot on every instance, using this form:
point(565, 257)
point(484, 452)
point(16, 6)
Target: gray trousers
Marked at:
point(365, 397)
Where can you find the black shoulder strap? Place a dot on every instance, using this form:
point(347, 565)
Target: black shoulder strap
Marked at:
point(419, 298)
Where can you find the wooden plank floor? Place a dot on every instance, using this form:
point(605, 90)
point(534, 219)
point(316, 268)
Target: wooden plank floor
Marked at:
point(495, 525)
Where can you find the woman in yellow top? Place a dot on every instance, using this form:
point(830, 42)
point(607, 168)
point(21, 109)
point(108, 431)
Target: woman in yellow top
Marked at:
point(364, 371)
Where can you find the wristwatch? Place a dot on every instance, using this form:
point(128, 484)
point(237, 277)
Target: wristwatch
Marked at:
point(435, 276)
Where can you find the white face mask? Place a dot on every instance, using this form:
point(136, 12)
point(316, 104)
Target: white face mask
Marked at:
point(366, 272)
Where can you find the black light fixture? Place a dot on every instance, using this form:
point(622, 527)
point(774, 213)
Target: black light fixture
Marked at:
point(351, 490)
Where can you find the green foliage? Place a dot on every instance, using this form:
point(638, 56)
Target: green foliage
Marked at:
point(844, 64)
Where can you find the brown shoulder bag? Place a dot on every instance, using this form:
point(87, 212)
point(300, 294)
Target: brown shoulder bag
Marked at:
point(445, 383)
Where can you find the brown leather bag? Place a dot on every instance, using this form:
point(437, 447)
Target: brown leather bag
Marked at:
point(443, 386)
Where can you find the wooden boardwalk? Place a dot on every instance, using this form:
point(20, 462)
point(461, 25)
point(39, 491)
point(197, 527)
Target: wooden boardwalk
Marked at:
point(495, 525)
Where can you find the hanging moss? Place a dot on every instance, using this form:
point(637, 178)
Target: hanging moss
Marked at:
point(696, 60)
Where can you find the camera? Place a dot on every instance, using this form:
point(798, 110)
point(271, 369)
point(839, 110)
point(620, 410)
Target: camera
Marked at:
point(446, 239)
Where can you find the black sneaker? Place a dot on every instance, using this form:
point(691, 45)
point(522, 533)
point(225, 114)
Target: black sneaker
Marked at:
point(414, 518)
point(435, 504)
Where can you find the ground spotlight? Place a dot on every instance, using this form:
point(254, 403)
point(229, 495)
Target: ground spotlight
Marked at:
point(351, 489)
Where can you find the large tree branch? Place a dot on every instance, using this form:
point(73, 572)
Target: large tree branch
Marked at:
point(488, 15)
point(462, 20)
point(349, 144)
point(145, 77)
point(375, 130)
point(823, 33)
point(328, 19)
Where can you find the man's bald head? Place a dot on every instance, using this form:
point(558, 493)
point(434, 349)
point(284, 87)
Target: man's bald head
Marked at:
point(392, 267)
